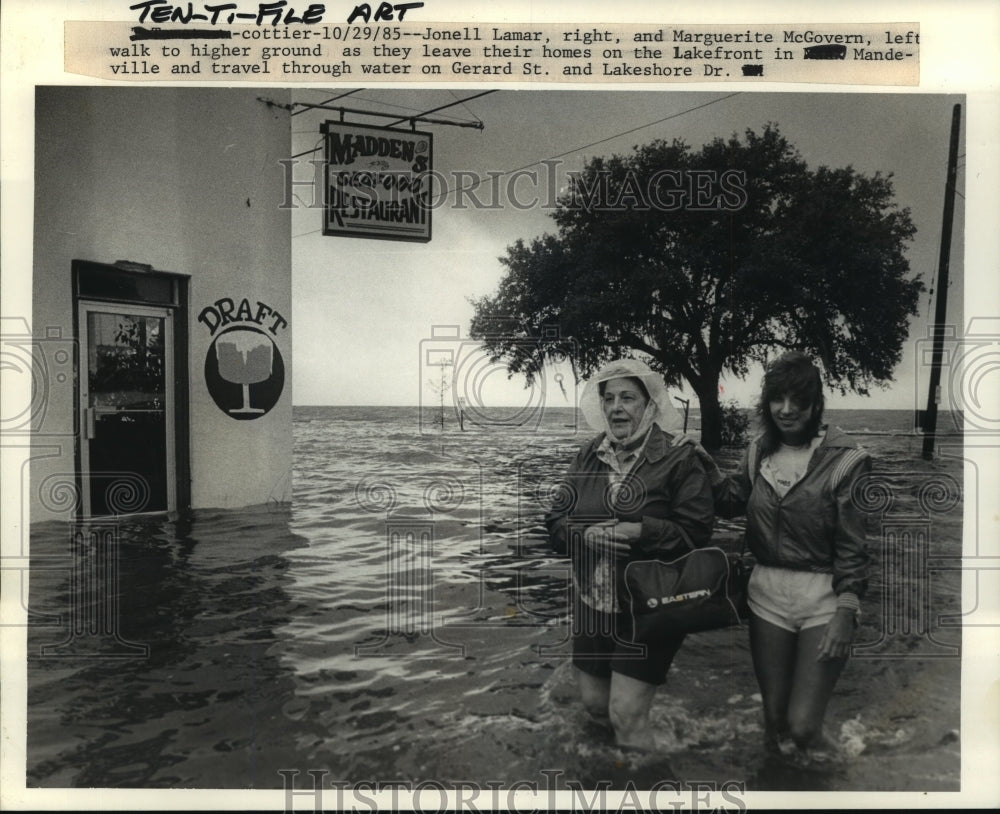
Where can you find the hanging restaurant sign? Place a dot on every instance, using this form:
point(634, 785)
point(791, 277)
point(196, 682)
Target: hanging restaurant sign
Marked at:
point(378, 182)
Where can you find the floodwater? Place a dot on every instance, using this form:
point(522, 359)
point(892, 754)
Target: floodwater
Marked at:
point(403, 620)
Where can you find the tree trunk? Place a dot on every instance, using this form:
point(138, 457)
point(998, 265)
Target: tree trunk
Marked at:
point(711, 414)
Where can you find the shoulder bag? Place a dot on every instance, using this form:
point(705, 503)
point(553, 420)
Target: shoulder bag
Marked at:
point(704, 589)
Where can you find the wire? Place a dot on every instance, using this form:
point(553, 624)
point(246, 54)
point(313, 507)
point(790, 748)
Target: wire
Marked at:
point(574, 150)
point(403, 107)
point(315, 149)
point(307, 108)
point(471, 111)
point(595, 143)
point(332, 99)
point(444, 107)
point(400, 121)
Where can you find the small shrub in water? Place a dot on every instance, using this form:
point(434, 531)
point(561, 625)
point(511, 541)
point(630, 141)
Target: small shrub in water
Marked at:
point(735, 424)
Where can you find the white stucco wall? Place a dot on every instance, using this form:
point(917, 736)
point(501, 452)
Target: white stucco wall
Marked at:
point(187, 181)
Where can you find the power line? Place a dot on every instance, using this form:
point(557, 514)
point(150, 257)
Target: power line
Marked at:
point(313, 150)
point(471, 111)
point(413, 119)
point(575, 149)
point(478, 124)
point(599, 141)
point(445, 107)
point(332, 99)
point(408, 107)
point(446, 120)
point(359, 112)
point(386, 104)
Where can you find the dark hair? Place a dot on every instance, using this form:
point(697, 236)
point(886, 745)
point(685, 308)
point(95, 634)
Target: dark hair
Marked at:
point(602, 386)
point(792, 374)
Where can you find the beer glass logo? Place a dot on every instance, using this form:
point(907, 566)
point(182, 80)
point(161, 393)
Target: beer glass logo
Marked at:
point(244, 372)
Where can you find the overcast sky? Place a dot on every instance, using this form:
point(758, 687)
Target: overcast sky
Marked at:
point(362, 308)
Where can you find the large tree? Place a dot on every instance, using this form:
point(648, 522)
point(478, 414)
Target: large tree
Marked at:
point(706, 261)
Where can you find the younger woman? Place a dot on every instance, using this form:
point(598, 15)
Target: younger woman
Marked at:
point(794, 486)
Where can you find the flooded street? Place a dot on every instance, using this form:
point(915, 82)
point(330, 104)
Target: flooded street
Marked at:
point(405, 621)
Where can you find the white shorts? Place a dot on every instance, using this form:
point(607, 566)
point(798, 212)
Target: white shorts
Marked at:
point(793, 600)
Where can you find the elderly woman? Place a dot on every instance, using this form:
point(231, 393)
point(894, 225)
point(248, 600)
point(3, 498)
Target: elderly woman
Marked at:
point(630, 493)
point(794, 486)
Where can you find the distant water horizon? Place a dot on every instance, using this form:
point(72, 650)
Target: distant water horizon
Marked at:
point(428, 418)
point(515, 406)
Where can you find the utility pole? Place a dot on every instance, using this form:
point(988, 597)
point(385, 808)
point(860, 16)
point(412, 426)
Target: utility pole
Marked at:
point(941, 305)
point(441, 388)
point(687, 406)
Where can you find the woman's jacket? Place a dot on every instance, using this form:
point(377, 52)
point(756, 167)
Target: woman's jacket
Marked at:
point(668, 491)
point(816, 526)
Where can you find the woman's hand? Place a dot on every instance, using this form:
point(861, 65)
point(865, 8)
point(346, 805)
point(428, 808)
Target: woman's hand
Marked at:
point(836, 642)
point(627, 532)
point(612, 537)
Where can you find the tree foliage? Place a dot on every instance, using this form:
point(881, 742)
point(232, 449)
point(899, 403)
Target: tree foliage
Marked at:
point(649, 261)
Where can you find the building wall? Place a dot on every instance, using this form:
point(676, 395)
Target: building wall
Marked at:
point(186, 181)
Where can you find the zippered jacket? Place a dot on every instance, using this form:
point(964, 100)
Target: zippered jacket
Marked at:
point(668, 491)
point(815, 526)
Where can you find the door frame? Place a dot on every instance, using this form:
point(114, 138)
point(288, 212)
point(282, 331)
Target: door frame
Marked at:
point(124, 288)
point(88, 415)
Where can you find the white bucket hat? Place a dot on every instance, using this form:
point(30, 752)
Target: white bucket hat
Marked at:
point(665, 414)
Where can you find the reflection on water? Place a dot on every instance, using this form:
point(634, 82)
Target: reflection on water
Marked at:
point(403, 620)
point(207, 606)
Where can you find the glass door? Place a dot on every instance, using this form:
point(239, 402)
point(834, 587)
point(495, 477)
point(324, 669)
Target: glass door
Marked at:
point(126, 409)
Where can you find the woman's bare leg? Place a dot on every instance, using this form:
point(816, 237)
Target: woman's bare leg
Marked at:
point(594, 692)
point(774, 657)
point(812, 685)
point(629, 709)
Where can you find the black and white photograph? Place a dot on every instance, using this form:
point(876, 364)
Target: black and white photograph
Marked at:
point(495, 446)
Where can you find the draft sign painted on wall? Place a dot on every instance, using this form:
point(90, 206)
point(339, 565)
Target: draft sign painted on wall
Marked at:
point(244, 369)
point(378, 182)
